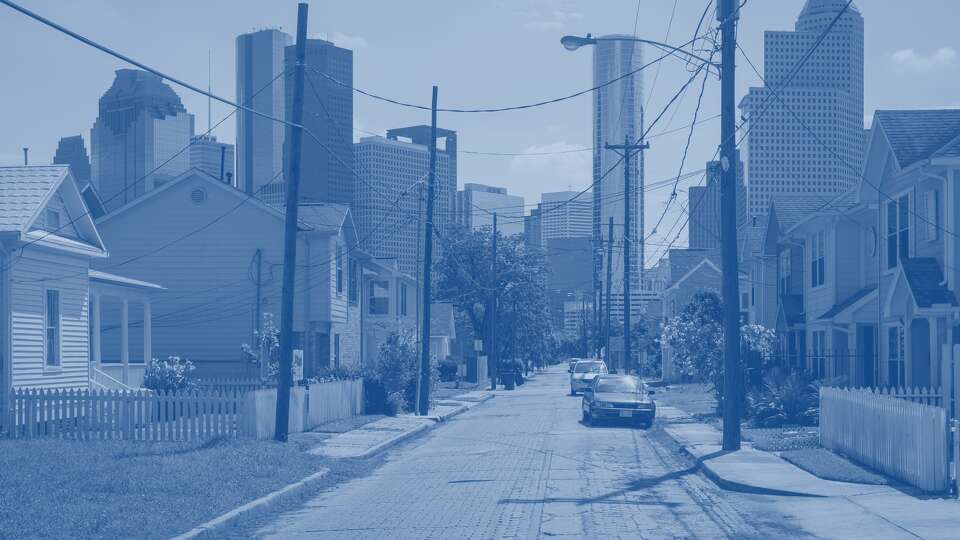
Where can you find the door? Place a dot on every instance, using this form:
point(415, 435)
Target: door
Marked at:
point(866, 355)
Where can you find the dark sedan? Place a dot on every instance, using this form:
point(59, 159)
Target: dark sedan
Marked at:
point(618, 397)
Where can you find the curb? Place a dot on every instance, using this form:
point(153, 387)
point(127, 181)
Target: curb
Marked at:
point(400, 437)
point(252, 508)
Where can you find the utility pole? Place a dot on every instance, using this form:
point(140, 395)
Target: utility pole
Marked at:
point(627, 155)
point(258, 316)
point(424, 396)
point(732, 380)
point(290, 236)
point(492, 355)
point(606, 326)
point(419, 292)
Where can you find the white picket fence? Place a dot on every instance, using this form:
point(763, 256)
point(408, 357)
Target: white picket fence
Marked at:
point(906, 440)
point(924, 396)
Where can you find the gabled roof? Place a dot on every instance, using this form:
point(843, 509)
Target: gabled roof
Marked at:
point(915, 135)
point(848, 302)
point(794, 209)
point(26, 191)
point(837, 205)
point(925, 279)
point(323, 217)
point(441, 320)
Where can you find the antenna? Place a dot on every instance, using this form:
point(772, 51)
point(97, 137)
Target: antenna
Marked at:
point(209, 90)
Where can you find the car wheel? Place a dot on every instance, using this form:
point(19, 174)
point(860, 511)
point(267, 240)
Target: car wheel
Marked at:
point(573, 392)
point(586, 417)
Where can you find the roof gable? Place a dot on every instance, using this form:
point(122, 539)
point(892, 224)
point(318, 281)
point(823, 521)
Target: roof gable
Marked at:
point(915, 135)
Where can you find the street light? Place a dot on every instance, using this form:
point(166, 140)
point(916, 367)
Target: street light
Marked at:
point(572, 43)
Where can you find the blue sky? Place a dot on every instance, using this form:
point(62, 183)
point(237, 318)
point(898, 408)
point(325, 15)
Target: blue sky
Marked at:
point(480, 53)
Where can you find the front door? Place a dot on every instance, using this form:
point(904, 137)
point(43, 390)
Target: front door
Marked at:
point(866, 356)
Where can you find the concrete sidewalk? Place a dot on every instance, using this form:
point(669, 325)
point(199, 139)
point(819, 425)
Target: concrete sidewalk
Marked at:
point(753, 471)
point(375, 437)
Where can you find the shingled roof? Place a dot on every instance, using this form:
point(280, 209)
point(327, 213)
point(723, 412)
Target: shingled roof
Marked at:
point(926, 282)
point(23, 191)
point(915, 135)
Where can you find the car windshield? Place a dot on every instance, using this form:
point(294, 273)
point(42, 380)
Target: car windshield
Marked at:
point(587, 367)
point(618, 386)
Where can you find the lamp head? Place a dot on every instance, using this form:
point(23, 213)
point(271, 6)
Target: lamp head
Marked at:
point(572, 43)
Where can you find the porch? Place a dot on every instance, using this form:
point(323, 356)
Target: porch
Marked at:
point(115, 364)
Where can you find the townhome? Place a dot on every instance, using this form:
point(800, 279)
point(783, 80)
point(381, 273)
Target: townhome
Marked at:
point(218, 252)
point(912, 176)
point(390, 300)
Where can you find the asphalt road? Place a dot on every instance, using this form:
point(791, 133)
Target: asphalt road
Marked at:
point(523, 466)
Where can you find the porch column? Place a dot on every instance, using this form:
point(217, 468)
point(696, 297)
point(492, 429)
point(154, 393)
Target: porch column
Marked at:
point(95, 327)
point(935, 352)
point(853, 356)
point(147, 333)
point(125, 338)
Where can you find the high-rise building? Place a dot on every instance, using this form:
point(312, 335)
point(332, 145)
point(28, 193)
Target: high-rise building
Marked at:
point(476, 204)
point(566, 214)
point(617, 117)
point(139, 137)
point(803, 119)
point(326, 163)
point(446, 145)
point(212, 157)
point(704, 208)
point(533, 229)
point(71, 151)
point(388, 202)
point(260, 87)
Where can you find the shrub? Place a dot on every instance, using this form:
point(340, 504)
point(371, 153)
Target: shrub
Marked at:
point(328, 374)
point(792, 400)
point(395, 404)
point(172, 374)
point(448, 370)
point(395, 369)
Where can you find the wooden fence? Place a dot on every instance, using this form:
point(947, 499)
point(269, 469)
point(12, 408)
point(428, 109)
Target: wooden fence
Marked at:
point(924, 396)
point(238, 384)
point(906, 440)
point(120, 415)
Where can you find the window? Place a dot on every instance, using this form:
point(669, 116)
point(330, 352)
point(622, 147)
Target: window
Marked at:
point(898, 230)
point(52, 220)
point(379, 298)
point(784, 271)
point(339, 270)
point(929, 212)
point(896, 360)
point(354, 292)
point(817, 259)
point(336, 350)
point(818, 356)
point(52, 328)
point(403, 299)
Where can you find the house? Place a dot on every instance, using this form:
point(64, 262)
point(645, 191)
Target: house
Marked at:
point(688, 272)
point(442, 331)
point(390, 305)
point(48, 242)
point(219, 253)
point(911, 176)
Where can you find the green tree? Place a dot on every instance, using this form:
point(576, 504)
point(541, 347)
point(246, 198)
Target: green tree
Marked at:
point(464, 276)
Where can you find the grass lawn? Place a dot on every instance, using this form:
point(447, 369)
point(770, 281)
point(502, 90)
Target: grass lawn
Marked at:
point(696, 399)
point(829, 466)
point(115, 489)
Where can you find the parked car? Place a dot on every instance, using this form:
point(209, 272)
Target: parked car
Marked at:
point(619, 397)
point(583, 374)
point(573, 362)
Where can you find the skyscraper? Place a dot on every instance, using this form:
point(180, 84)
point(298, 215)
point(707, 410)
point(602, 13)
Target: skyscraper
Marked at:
point(387, 201)
point(260, 57)
point(476, 204)
point(212, 157)
point(326, 167)
point(139, 138)
point(566, 214)
point(793, 140)
point(447, 145)
point(71, 151)
point(617, 115)
point(704, 208)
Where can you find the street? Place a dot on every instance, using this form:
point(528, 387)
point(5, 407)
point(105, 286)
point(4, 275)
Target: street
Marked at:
point(523, 466)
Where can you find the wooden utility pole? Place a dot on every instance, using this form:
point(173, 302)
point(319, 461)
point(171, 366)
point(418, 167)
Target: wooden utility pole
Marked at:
point(606, 325)
point(492, 356)
point(627, 155)
point(732, 379)
point(284, 376)
point(424, 397)
point(419, 291)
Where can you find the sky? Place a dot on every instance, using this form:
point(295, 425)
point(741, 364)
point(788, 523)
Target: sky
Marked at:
point(481, 53)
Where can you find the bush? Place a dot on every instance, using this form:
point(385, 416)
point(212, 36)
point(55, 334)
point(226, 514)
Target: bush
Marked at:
point(395, 404)
point(328, 374)
point(170, 375)
point(792, 400)
point(448, 370)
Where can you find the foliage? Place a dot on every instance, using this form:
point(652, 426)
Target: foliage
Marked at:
point(395, 371)
point(396, 403)
point(464, 277)
point(696, 339)
point(266, 347)
point(328, 374)
point(792, 400)
point(170, 375)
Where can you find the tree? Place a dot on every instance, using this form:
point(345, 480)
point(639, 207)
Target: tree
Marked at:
point(695, 337)
point(464, 277)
